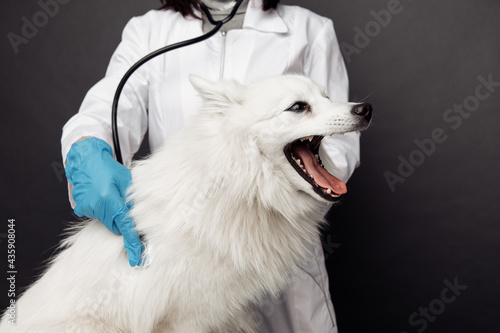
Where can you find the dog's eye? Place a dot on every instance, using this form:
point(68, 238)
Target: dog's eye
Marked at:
point(299, 107)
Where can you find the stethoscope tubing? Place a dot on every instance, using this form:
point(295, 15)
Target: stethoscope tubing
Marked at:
point(126, 76)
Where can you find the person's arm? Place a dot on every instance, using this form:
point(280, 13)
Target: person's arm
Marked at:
point(97, 182)
point(325, 66)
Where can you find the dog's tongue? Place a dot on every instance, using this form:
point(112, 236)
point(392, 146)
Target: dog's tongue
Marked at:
point(322, 177)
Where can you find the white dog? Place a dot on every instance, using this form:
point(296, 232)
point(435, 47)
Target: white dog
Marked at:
point(228, 207)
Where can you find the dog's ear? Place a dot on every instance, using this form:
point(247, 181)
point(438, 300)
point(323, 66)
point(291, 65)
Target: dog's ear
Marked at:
point(219, 95)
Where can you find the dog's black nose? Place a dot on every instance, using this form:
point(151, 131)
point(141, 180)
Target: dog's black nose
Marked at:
point(364, 110)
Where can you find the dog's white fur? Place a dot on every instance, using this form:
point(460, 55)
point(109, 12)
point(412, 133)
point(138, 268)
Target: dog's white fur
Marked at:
point(224, 214)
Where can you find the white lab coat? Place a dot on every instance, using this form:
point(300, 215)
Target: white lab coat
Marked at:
point(159, 97)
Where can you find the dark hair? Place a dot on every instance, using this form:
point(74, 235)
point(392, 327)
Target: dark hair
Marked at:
point(187, 7)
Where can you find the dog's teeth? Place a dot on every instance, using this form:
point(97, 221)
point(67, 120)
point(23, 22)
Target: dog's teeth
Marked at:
point(329, 191)
point(298, 161)
point(310, 138)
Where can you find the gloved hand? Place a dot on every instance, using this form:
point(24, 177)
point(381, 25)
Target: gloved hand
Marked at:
point(100, 185)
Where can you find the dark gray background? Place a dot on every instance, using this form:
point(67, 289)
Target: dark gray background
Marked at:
point(388, 252)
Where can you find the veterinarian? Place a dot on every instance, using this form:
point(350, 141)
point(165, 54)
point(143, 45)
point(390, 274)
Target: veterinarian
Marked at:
point(264, 39)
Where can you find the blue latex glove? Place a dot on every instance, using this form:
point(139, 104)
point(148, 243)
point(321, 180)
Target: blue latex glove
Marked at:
point(100, 185)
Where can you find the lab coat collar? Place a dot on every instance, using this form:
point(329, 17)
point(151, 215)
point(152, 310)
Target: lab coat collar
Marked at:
point(266, 21)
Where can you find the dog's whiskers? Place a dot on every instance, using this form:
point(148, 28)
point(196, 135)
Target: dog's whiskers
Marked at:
point(355, 99)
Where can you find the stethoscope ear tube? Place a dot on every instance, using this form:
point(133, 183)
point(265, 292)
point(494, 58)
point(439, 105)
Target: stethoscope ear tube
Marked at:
point(123, 81)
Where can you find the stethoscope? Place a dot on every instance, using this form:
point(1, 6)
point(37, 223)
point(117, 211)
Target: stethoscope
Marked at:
point(146, 257)
point(114, 109)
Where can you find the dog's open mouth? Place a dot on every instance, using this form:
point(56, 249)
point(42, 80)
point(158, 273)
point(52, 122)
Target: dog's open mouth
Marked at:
point(303, 156)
